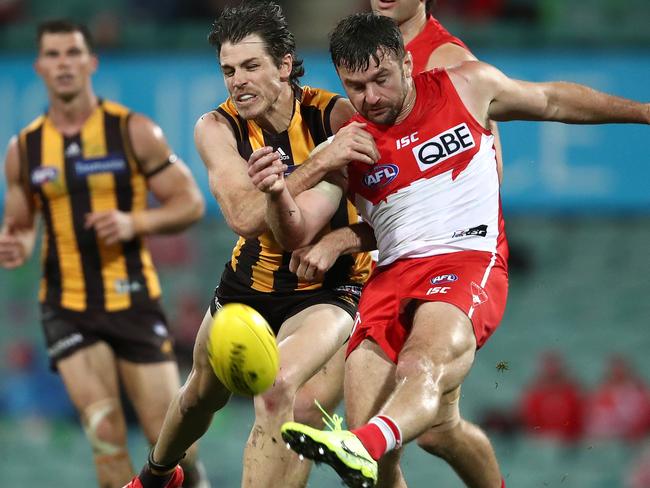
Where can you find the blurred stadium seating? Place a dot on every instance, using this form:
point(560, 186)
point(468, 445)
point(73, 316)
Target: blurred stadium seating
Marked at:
point(172, 24)
point(576, 199)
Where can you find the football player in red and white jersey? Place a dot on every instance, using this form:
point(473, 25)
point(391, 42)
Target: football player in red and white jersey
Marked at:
point(431, 46)
point(433, 201)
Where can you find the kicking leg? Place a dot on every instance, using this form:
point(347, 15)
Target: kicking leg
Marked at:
point(434, 360)
point(188, 416)
point(433, 363)
point(191, 411)
point(369, 380)
point(306, 341)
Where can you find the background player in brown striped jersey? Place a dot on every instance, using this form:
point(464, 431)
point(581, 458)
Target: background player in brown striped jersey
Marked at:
point(270, 117)
point(85, 166)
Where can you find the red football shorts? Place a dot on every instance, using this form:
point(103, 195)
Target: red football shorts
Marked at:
point(474, 281)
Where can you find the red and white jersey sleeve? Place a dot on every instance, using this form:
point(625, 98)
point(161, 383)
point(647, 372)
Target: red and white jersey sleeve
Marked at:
point(435, 189)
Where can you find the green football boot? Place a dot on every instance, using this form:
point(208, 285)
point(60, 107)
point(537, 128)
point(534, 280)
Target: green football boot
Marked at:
point(341, 449)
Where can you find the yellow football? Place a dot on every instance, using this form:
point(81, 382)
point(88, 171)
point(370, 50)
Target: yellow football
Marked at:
point(242, 350)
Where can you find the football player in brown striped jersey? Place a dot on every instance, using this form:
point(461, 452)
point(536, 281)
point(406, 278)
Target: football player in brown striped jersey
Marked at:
point(85, 166)
point(270, 117)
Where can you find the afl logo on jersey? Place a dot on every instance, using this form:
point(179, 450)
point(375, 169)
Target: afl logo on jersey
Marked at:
point(443, 146)
point(43, 174)
point(445, 278)
point(380, 176)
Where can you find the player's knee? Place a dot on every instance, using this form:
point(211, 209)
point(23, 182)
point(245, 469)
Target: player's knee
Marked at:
point(441, 439)
point(306, 412)
point(103, 424)
point(280, 396)
point(202, 392)
point(434, 443)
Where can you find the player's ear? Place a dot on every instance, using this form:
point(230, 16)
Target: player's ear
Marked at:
point(38, 63)
point(408, 64)
point(94, 63)
point(286, 64)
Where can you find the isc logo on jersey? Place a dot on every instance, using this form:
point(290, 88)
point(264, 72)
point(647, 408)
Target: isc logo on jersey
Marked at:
point(443, 146)
point(380, 176)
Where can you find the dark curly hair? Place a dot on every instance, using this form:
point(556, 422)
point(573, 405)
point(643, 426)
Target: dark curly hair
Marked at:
point(264, 19)
point(358, 38)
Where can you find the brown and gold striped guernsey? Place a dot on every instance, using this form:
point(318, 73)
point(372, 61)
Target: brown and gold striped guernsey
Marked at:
point(261, 263)
point(68, 177)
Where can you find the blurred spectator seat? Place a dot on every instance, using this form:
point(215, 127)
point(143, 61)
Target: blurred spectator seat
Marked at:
point(639, 470)
point(552, 405)
point(619, 408)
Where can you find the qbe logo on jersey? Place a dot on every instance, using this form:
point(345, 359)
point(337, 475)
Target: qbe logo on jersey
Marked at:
point(443, 146)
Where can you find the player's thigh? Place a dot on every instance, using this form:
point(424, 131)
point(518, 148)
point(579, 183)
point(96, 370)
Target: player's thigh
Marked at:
point(441, 343)
point(369, 381)
point(151, 388)
point(90, 375)
point(308, 339)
